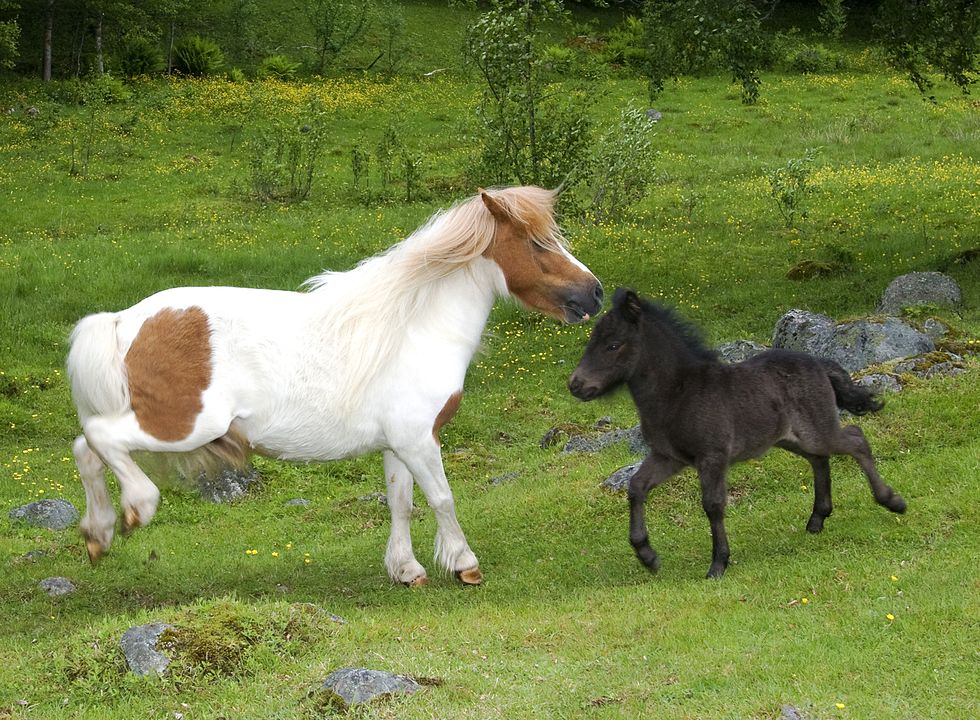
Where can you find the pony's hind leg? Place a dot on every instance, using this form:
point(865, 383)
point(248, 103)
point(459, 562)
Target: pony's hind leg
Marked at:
point(851, 441)
point(99, 522)
point(399, 558)
point(652, 471)
point(113, 439)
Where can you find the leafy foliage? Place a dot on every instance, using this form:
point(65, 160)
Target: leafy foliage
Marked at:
point(278, 67)
point(197, 56)
point(942, 33)
point(283, 158)
point(790, 188)
point(335, 25)
point(529, 131)
point(140, 56)
point(688, 37)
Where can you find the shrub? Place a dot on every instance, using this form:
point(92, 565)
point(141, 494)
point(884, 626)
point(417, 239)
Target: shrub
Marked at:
point(622, 167)
point(813, 59)
point(197, 56)
point(283, 158)
point(140, 56)
point(278, 67)
point(790, 189)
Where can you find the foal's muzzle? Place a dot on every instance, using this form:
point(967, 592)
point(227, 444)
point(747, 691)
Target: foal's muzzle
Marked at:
point(582, 388)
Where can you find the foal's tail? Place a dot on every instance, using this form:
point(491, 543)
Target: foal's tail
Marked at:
point(849, 395)
point(96, 369)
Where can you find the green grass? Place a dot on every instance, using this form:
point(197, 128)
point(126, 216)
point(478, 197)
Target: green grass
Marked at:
point(567, 623)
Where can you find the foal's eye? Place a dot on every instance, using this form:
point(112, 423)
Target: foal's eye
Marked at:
point(614, 346)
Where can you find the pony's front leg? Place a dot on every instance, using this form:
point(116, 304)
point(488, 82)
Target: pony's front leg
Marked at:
point(399, 558)
point(452, 552)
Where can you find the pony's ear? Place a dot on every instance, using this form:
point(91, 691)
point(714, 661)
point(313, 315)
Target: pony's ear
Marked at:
point(627, 302)
point(495, 208)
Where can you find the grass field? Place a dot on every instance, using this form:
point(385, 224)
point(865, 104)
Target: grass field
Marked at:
point(877, 617)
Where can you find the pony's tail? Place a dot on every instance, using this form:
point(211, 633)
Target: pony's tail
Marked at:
point(849, 395)
point(96, 369)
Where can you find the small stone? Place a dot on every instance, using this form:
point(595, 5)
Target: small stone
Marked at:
point(738, 350)
point(352, 686)
point(57, 586)
point(50, 514)
point(297, 502)
point(880, 383)
point(920, 288)
point(619, 481)
point(139, 645)
point(378, 497)
point(227, 485)
point(505, 478)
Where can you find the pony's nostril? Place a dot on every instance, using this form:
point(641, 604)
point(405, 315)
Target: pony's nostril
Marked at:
point(598, 294)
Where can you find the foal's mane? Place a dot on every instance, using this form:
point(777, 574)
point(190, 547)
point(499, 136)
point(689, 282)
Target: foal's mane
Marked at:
point(684, 330)
point(372, 304)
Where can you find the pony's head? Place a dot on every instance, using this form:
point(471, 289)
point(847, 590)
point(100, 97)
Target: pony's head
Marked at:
point(613, 348)
point(528, 248)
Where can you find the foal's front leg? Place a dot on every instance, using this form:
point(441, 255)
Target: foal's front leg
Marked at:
point(452, 552)
point(714, 494)
point(652, 471)
point(399, 558)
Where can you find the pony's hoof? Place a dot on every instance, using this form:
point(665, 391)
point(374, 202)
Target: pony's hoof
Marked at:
point(815, 525)
point(131, 520)
point(473, 576)
point(95, 550)
point(420, 581)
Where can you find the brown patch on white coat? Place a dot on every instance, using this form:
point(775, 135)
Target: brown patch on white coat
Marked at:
point(168, 368)
point(446, 414)
point(538, 271)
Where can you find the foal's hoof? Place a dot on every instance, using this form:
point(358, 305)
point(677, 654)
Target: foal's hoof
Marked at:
point(815, 525)
point(473, 576)
point(895, 503)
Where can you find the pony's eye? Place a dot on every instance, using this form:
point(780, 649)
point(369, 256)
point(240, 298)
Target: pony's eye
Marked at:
point(614, 346)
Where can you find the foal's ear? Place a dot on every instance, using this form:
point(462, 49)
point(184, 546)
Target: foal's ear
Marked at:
point(627, 302)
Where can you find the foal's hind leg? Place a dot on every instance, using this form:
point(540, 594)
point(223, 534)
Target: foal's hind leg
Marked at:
point(652, 471)
point(99, 522)
point(822, 503)
point(399, 559)
point(851, 441)
point(714, 495)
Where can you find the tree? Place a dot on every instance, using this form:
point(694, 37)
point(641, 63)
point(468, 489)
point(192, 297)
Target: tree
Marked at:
point(941, 33)
point(531, 132)
point(336, 24)
point(9, 35)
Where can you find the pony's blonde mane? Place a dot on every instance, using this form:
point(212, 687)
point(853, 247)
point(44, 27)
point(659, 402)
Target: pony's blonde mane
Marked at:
point(372, 303)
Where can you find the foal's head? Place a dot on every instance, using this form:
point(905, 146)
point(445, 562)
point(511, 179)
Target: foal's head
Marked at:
point(613, 349)
point(528, 248)
point(634, 333)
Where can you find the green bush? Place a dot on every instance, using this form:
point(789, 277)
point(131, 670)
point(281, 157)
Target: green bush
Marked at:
point(139, 56)
point(278, 67)
point(197, 56)
point(810, 59)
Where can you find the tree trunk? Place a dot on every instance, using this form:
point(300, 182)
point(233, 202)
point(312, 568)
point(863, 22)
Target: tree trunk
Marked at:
point(48, 35)
point(99, 59)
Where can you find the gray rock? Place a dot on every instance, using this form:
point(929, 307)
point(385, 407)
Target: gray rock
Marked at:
point(57, 586)
point(351, 686)
point(934, 329)
point(32, 556)
point(855, 345)
point(227, 485)
point(297, 502)
point(789, 712)
point(739, 350)
point(505, 478)
point(139, 645)
point(880, 383)
point(378, 497)
point(619, 481)
point(920, 288)
point(51, 514)
point(937, 364)
point(654, 115)
point(582, 443)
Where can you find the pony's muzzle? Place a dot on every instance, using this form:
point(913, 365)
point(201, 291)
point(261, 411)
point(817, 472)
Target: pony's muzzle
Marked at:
point(584, 303)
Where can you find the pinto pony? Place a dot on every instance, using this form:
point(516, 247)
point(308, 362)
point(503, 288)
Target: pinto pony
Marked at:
point(369, 359)
point(696, 410)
